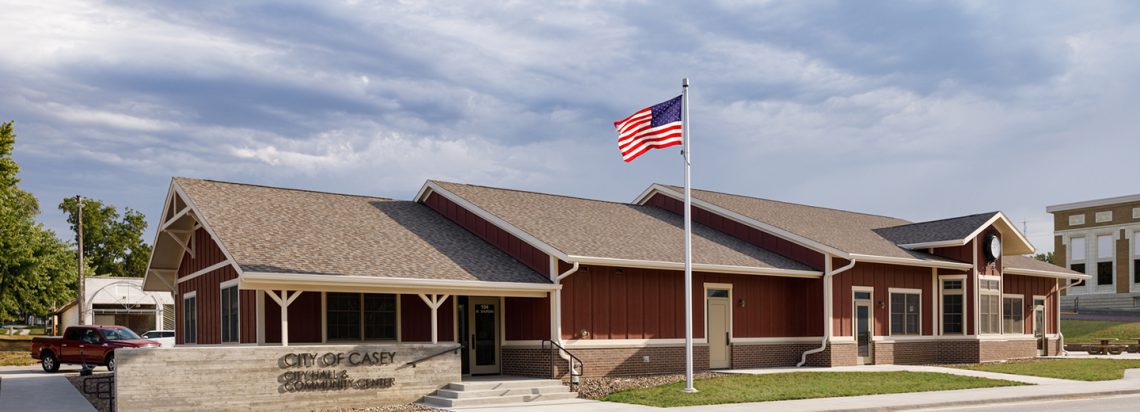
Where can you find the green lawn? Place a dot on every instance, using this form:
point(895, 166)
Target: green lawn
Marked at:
point(798, 385)
point(1089, 331)
point(1074, 369)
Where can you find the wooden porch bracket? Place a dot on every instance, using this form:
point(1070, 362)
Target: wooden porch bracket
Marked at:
point(284, 300)
point(434, 302)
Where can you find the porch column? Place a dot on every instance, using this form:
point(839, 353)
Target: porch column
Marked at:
point(434, 302)
point(284, 300)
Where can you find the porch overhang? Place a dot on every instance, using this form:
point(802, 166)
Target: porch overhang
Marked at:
point(374, 284)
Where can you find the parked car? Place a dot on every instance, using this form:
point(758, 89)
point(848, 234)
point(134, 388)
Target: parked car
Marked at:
point(164, 337)
point(93, 345)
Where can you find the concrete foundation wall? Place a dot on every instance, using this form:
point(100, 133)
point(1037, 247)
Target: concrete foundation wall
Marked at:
point(280, 378)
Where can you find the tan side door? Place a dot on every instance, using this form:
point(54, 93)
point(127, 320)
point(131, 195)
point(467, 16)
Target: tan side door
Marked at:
point(718, 312)
point(483, 320)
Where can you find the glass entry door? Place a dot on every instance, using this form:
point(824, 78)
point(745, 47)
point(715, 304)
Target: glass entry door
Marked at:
point(1039, 326)
point(483, 328)
point(863, 327)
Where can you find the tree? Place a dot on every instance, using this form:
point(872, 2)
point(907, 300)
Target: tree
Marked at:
point(112, 243)
point(36, 268)
point(1048, 258)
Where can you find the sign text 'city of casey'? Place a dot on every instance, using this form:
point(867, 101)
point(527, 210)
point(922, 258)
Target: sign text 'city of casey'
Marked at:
point(331, 373)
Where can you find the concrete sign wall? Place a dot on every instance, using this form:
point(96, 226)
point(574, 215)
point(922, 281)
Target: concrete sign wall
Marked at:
point(280, 378)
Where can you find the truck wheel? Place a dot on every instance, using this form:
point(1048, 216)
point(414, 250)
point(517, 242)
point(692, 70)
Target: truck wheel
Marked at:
point(48, 362)
point(111, 362)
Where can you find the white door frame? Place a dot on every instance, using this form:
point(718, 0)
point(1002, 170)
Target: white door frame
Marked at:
point(728, 322)
point(870, 303)
point(474, 368)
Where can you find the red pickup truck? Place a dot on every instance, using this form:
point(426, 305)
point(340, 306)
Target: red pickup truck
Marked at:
point(93, 345)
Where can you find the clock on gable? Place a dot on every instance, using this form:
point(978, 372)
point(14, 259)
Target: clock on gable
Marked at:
point(992, 247)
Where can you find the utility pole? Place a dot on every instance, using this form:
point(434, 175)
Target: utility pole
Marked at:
point(79, 247)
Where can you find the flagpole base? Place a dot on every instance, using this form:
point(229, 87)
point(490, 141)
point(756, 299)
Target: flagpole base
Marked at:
point(689, 390)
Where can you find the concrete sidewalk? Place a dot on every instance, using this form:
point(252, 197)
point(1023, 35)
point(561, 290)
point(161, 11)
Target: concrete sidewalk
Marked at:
point(1043, 389)
point(28, 388)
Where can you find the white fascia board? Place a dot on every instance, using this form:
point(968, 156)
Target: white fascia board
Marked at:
point(1028, 247)
point(308, 281)
point(162, 219)
point(430, 187)
point(911, 262)
point(1092, 203)
point(700, 267)
point(1044, 274)
point(745, 220)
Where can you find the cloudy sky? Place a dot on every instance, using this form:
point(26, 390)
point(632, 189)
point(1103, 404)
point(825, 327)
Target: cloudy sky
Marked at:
point(920, 110)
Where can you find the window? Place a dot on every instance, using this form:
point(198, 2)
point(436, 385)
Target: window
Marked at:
point(862, 295)
point(1136, 271)
point(379, 316)
point(230, 314)
point(1078, 267)
point(717, 293)
point(357, 316)
point(990, 307)
point(1077, 249)
point(1013, 315)
point(1104, 253)
point(343, 316)
point(905, 310)
point(190, 318)
point(953, 308)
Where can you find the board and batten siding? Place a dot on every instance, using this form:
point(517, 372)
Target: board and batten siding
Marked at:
point(649, 304)
point(509, 244)
point(1028, 286)
point(304, 319)
point(415, 320)
point(527, 318)
point(759, 238)
point(881, 277)
point(208, 289)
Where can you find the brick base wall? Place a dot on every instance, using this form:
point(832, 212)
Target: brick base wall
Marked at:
point(1015, 349)
point(532, 362)
point(769, 355)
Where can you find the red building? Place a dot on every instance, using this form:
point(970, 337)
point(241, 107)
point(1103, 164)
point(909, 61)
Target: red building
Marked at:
point(506, 273)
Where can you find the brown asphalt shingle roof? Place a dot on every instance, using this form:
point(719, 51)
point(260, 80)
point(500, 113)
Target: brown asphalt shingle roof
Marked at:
point(859, 233)
point(594, 228)
point(295, 231)
point(956, 228)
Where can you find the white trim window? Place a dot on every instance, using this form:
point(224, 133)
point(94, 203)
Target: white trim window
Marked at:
point(1105, 251)
point(1136, 257)
point(360, 316)
point(906, 311)
point(230, 312)
point(1013, 314)
point(954, 305)
point(190, 317)
point(989, 309)
point(1077, 256)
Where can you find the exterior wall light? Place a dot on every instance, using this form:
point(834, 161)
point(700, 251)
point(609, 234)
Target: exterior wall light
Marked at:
point(583, 334)
point(742, 303)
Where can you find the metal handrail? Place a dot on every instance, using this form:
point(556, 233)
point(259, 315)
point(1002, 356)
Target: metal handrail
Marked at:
point(425, 358)
point(574, 376)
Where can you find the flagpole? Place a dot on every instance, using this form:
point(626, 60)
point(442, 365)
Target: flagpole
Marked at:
point(688, 243)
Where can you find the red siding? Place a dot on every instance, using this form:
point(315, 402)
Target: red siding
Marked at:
point(1027, 287)
point(743, 232)
point(415, 320)
point(304, 319)
point(208, 289)
point(881, 277)
point(649, 304)
point(511, 245)
point(527, 318)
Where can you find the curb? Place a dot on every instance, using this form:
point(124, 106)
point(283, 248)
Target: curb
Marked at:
point(998, 401)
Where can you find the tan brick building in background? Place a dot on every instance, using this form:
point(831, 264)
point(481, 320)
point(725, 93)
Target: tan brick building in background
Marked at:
point(1100, 238)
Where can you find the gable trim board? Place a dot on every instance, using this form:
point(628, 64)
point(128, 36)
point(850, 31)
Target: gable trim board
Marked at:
point(191, 210)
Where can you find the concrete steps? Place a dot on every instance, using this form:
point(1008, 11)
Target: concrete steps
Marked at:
point(498, 392)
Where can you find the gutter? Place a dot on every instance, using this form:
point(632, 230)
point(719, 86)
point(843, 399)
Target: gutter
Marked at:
point(1061, 340)
point(558, 315)
point(827, 294)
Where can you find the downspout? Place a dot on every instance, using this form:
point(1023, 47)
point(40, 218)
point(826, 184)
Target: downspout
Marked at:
point(1061, 336)
point(827, 293)
point(558, 315)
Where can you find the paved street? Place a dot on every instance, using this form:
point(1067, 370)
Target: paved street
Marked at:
point(28, 388)
point(1111, 404)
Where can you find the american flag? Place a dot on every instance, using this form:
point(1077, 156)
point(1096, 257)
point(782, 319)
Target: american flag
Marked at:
point(653, 127)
